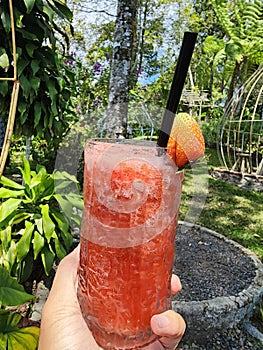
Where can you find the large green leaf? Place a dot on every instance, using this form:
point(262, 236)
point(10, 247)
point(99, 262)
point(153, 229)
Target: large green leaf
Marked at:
point(65, 205)
point(26, 267)
point(37, 113)
point(75, 200)
point(35, 83)
point(60, 250)
point(26, 171)
point(235, 50)
point(7, 193)
point(35, 66)
point(23, 245)
point(62, 181)
point(14, 338)
point(35, 181)
point(8, 320)
point(60, 220)
point(21, 65)
point(22, 107)
point(64, 228)
point(5, 17)
point(4, 61)
point(24, 338)
point(27, 34)
point(20, 217)
point(52, 90)
point(11, 292)
point(47, 256)
point(10, 183)
point(38, 243)
point(30, 48)
point(6, 237)
point(25, 86)
point(3, 341)
point(60, 8)
point(63, 175)
point(10, 256)
point(3, 87)
point(39, 223)
point(8, 207)
point(48, 224)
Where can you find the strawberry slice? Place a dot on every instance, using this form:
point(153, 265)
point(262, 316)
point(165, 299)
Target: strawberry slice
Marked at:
point(186, 142)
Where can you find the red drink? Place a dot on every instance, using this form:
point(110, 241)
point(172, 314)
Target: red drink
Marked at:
point(132, 197)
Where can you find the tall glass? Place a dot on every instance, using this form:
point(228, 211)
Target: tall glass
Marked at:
point(132, 194)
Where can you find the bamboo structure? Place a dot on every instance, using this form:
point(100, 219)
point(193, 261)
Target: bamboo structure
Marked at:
point(14, 97)
point(240, 142)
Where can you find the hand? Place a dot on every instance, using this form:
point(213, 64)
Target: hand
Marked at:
point(62, 324)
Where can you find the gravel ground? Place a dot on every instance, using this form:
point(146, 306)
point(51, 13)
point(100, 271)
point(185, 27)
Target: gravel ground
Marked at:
point(235, 339)
point(208, 267)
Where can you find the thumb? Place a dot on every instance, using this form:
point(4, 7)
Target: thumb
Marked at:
point(170, 326)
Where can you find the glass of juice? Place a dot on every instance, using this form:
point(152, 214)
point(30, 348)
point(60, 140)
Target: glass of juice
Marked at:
point(132, 194)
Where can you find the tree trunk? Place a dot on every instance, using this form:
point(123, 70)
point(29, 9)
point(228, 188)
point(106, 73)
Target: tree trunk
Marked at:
point(233, 82)
point(211, 82)
point(116, 121)
point(141, 51)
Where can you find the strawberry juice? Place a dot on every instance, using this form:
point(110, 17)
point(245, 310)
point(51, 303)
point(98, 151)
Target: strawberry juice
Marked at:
point(132, 197)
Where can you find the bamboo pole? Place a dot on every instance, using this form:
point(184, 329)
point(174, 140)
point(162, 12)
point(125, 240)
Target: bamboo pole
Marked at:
point(14, 98)
point(10, 126)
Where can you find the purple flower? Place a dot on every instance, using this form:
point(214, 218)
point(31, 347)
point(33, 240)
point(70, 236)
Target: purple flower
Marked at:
point(96, 103)
point(98, 68)
point(107, 56)
point(157, 96)
point(71, 63)
point(138, 72)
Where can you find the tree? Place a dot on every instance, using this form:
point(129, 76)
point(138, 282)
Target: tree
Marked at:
point(150, 56)
point(45, 105)
point(116, 122)
point(160, 25)
point(242, 22)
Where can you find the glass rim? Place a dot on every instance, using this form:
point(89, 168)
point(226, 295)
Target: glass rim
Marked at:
point(140, 142)
point(122, 141)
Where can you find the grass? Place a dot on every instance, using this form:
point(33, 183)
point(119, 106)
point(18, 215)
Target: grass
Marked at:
point(231, 211)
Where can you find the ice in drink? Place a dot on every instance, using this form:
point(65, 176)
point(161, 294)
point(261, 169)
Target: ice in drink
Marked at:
point(132, 197)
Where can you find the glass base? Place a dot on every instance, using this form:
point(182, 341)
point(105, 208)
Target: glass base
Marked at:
point(110, 341)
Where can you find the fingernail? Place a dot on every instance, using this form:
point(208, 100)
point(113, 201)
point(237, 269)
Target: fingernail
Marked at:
point(161, 321)
point(178, 281)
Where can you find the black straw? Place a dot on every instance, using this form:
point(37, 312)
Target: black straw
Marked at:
point(179, 78)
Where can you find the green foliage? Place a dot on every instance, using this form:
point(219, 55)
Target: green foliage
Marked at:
point(45, 105)
point(11, 292)
point(35, 219)
point(243, 23)
point(12, 336)
point(210, 131)
point(93, 93)
point(210, 126)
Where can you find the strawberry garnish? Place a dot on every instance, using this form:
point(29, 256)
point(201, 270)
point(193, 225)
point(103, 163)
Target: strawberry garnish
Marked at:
point(186, 142)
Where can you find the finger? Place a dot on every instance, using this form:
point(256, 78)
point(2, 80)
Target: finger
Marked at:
point(65, 281)
point(170, 326)
point(176, 285)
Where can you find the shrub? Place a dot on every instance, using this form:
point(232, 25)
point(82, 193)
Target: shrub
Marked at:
point(12, 335)
point(35, 220)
